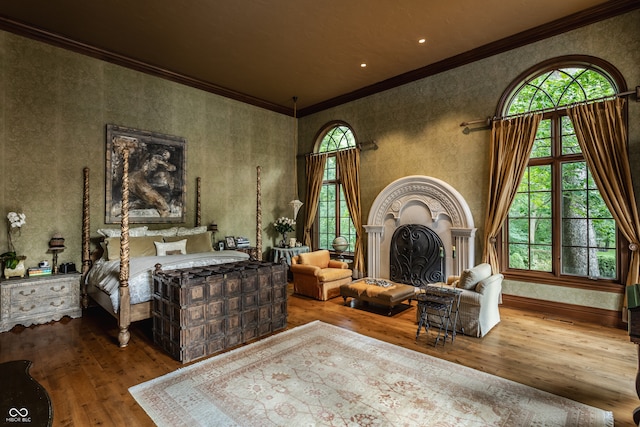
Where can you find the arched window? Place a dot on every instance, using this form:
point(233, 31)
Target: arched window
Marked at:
point(333, 215)
point(559, 227)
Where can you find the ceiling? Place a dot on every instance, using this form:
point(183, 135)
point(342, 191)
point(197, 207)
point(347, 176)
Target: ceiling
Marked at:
point(266, 52)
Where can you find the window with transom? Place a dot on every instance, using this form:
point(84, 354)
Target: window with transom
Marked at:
point(333, 215)
point(558, 224)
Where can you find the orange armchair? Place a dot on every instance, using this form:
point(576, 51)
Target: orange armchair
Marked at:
point(317, 276)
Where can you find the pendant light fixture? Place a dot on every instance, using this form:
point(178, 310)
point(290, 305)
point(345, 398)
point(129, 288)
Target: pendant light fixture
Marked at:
point(295, 203)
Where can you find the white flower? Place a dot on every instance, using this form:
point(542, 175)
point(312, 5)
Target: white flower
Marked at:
point(284, 224)
point(16, 220)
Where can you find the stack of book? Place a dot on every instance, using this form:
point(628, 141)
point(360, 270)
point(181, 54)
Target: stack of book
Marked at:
point(39, 271)
point(242, 242)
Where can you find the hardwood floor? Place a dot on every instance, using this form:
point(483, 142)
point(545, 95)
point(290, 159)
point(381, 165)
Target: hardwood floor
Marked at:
point(87, 375)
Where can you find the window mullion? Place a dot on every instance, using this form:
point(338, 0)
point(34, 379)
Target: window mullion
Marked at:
point(556, 186)
point(337, 207)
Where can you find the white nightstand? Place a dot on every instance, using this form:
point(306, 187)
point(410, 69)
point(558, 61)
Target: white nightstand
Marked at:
point(36, 300)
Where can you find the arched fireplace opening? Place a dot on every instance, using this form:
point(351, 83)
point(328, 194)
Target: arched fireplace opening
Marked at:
point(425, 201)
point(416, 256)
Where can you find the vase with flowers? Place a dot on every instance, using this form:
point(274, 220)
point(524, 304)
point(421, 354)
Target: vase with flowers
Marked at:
point(13, 263)
point(284, 225)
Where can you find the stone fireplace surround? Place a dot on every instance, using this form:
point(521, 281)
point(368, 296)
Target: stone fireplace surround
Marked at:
point(424, 200)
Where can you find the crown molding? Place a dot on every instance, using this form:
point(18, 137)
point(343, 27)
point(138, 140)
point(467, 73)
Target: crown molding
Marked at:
point(553, 28)
point(559, 26)
point(54, 39)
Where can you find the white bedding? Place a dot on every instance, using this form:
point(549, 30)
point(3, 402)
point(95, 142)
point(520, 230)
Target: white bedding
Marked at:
point(104, 274)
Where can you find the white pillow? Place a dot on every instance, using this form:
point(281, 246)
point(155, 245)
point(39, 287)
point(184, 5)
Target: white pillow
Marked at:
point(171, 248)
point(165, 232)
point(185, 231)
point(115, 232)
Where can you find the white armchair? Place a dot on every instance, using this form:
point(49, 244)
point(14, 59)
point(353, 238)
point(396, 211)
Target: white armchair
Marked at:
point(481, 295)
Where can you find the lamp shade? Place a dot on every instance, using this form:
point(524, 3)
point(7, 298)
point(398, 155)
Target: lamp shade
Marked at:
point(295, 205)
point(57, 241)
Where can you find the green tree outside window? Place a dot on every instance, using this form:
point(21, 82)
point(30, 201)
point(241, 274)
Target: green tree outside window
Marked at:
point(557, 199)
point(333, 215)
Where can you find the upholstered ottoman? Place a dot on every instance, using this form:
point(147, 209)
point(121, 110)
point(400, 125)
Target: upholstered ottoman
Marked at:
point(377, 291)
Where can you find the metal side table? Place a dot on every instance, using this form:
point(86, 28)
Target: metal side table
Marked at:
point(438, 306)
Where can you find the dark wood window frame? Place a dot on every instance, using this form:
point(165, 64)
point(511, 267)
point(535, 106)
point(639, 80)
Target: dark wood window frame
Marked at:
point(336, 182)
point(555, 277)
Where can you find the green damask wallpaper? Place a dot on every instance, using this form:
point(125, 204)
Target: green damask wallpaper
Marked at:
point(417, 127)
point(53, 115)
point(56, 103)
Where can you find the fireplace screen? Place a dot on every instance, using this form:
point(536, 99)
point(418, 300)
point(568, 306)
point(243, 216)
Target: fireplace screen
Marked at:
point(416, 256)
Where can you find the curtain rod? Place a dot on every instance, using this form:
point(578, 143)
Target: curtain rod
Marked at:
point(363, 146)
point(488, 120)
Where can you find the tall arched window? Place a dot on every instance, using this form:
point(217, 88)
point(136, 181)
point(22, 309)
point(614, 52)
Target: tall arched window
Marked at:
point(333, 215)
point(558, 225)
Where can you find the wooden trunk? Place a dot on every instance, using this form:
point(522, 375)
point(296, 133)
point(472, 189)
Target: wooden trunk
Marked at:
point(201, 311)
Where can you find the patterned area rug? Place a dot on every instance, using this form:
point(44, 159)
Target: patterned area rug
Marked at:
point(318, 374)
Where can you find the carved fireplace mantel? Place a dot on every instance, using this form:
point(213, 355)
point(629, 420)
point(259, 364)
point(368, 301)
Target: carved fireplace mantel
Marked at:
point(424, 200)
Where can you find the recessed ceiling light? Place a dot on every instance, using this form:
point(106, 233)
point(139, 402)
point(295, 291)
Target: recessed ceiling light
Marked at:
point(421, 41)
point(363, 65)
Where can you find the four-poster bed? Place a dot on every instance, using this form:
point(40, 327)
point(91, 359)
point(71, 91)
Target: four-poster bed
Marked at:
point(122, 285)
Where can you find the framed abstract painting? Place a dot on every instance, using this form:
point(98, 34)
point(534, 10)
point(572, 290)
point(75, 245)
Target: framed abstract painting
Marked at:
point(156, 176)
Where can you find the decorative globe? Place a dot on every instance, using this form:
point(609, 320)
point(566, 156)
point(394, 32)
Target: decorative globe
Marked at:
point(340, 244)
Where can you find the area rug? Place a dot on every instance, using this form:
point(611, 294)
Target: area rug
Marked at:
point(321, 375)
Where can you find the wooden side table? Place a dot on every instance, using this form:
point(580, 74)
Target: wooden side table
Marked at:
point(37, 300)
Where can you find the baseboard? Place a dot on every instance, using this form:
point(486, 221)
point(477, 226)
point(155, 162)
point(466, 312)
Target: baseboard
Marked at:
point(572, 312)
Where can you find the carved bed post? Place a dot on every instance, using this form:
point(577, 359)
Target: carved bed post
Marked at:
point(86, 251)
point(258, 216)
point(198, 202)
point(124, 145)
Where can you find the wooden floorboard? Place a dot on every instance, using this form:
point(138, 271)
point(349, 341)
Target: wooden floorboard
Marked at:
point(87, 375)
